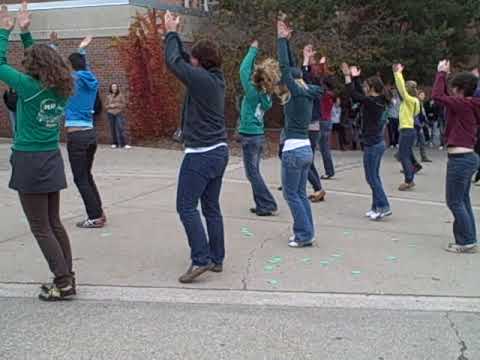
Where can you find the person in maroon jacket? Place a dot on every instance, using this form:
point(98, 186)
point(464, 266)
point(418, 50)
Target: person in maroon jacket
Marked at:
point(463, 114)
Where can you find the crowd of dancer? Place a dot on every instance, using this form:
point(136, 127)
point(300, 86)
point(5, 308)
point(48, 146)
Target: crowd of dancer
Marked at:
point(51, 89)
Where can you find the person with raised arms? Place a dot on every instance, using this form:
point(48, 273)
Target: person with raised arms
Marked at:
point(206, 150)
point(297, 99)
point(38, 173)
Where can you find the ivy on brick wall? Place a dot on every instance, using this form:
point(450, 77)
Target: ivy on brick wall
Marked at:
point(154, 104)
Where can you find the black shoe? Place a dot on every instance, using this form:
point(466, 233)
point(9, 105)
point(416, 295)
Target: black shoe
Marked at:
point(280, 188)
point(426, 160)
point(417, 168)
point(193, 272)
point(217, 268)
point(327, 177)
point(46, 287)
point(477, 177)
point(262, 213)
point(58, 294)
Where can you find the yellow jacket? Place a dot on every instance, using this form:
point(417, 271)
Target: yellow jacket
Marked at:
point(410, 106)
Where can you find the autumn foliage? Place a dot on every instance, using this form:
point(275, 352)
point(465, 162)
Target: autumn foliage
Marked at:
point(154, 106)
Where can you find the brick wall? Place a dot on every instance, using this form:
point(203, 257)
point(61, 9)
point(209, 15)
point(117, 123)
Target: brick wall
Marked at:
point(103, 60)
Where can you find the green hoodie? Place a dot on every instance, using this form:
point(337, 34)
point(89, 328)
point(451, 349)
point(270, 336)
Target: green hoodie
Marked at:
point(255, 102)
point(39, 110)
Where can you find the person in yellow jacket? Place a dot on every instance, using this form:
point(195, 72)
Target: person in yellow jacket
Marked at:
point(409, 109)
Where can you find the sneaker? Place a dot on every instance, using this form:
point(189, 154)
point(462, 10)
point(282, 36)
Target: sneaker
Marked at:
point(194, 272)
point(327, 177)
point(114, 146)
point(417, 168)
point(370, 213)
point(387, 213)
point(427, 160)
point(58, 294)
point(47, 286)
point(462, 249)
point(299, 244)
point(126, 147)
point(92, 224)
point(317, 196)
point(406, 186)
point(375, 216)
point(440, 148)
point(217, 268)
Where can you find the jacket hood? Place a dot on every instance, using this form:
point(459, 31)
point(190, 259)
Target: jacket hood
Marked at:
point(86, 78)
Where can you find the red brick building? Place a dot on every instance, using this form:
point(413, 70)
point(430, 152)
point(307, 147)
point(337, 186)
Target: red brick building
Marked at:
point(104, 19)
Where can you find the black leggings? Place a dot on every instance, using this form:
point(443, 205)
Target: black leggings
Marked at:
point(43, 215)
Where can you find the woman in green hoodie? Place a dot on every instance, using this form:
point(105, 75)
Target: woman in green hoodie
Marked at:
point(38, 172)
point(258, 83)
point(297, 156)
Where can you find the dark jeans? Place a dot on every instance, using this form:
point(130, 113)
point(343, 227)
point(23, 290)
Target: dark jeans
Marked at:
point(393, 133)
point(421, 142)
point(252, 147)
point(324, 142)
point(405, 153)
point(200, 179)
point(43, 215)
point(460, 169)
point(82, 146)
point(313, 176)
point(117, 128)
point(295, 167)
point(372, 158)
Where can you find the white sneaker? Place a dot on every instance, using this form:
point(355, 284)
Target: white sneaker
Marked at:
point(369, 213)
point(376, 216)
point(127, 147)
point(114, 146)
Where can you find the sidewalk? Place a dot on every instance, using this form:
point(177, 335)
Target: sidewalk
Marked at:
point(144, 243)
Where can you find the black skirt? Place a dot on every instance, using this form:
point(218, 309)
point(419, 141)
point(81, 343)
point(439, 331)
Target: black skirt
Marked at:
point(37, 172)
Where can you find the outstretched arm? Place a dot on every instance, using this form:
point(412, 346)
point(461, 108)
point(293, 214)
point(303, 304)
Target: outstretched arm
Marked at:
point(285, 58)
point(246, 69)
point(400, 83)
point(440, 88)
point(24, 19)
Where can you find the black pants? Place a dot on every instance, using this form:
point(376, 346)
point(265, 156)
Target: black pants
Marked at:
point(82, 146)
point(43, 215)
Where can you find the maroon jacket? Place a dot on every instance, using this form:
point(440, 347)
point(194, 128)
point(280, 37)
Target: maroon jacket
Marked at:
point(463, 115)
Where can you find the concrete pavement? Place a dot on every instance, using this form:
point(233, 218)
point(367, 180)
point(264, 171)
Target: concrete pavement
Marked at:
point(138, 257)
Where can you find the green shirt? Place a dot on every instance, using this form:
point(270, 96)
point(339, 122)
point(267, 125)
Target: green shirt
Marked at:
point(39, 110)
point(255, 102)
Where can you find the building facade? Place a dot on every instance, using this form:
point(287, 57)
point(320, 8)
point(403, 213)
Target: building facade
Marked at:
point(104, 19)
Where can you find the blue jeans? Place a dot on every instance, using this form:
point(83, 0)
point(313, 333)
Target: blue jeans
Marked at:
point(200, 179)
point(313, 177)
point(460, 169)
point(372, 158)
point(252, 155)
point(324, 142)
point(13, 120)
point(405, 153)
point(117, 129)
point(295, 167)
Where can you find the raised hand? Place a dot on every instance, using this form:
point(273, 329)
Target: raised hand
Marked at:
point(323, 60)
point(7, 21)
point(85, 42)
point(283, 31)
point(355, 71)
point(444, 66)
point(398, 68)
point(254, 44)
point(171, 22)
point(24, 18)
point(345, 69)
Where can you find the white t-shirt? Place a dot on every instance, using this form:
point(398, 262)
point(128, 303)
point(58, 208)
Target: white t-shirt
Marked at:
point(292, 144)
point(203, 149)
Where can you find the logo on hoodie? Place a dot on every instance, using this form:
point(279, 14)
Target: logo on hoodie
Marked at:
point(50, 114)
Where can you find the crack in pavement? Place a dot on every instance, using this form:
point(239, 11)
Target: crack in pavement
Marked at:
point(461, 342)
point(251, 256)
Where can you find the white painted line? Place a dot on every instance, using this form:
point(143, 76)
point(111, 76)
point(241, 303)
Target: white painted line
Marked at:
point(258, 298)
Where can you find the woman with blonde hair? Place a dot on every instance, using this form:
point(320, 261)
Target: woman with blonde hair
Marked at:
point(258, 83)
point(409, 109)
point(297, 98)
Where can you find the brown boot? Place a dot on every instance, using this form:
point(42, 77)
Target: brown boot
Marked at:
point(317, 196)
point(406, 186)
